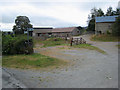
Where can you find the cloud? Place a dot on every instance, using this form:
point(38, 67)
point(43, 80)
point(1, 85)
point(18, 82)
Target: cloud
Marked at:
point(7, 18)
point(60, 0)
point(63, 13)
point(48, 21)
point(51, 13)
point(6, 26)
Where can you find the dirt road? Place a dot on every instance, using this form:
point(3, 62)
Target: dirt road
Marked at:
point(87, 68)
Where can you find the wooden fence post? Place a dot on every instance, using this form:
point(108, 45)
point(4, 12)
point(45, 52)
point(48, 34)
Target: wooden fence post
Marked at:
point(66, 38)
point(77, 41)
point(80, 40)
point(71, 41)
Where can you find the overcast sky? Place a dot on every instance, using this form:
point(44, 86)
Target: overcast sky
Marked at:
point(56, 13)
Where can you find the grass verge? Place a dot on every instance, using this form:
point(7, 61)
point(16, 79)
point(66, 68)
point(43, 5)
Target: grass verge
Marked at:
point(118, 46)
point(90, 47)
point(34, 61)
point(105, 38)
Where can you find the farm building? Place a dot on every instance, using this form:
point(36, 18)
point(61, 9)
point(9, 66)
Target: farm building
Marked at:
point(104, 24)
point(37, 32)
point(68, 31)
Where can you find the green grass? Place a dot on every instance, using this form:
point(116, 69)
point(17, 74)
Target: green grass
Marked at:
point(30, 61)
point(105, 38)
point(118, 46)
point(90, 47)
point(52, 42)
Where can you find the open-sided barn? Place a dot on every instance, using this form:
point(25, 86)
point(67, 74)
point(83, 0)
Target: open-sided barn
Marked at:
point(68, 31)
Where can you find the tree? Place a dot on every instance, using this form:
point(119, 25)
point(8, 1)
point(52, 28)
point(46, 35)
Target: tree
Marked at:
point(79, 27)
point(94, 12)
point(100, 12)
point(117, 12)
point(91, 18)
point(91, 25)
point(110, 11)
point(22, 24)
point(116, 27)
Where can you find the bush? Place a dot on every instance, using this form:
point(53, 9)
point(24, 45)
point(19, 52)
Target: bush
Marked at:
point(16, 45)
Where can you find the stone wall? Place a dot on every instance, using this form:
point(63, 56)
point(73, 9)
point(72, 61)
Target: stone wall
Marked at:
point(103, 28)
point(64, 34)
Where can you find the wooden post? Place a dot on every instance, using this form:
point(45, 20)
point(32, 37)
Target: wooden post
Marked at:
point(71, 41)
point(77, 41)
point(66, 38)
point(80, 40)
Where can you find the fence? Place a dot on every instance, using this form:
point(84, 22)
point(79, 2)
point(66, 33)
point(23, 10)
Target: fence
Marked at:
point(76, 41)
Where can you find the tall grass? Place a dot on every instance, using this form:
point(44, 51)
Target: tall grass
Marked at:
point(90, 47)
point(118, 46)
point(30, 61)
point(105, 38)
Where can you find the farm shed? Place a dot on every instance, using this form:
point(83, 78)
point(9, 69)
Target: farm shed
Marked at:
point(37, 32)
point(104, 24)
point(68, 31)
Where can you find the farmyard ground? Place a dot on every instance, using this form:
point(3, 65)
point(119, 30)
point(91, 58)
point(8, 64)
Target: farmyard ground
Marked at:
point(86, 69)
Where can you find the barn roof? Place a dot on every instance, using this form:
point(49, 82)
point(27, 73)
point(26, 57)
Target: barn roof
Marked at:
point(106, 19)
point(41, 30)
point(68, 29)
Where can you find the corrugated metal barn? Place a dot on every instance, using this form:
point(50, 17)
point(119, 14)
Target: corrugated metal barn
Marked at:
point(104, 24)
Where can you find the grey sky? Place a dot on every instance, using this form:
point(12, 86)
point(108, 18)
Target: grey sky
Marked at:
point(56, 13)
